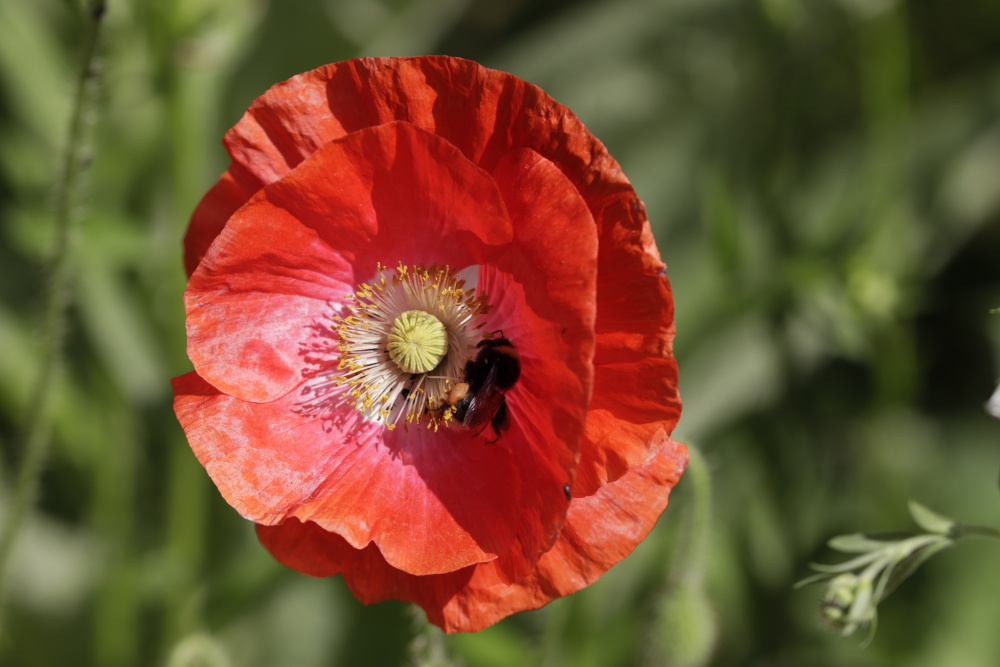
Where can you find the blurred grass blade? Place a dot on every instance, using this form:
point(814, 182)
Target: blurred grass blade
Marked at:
point(33, 75)
point(36, 426)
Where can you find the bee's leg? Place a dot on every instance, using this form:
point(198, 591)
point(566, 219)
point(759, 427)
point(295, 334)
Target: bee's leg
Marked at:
point(500, 422)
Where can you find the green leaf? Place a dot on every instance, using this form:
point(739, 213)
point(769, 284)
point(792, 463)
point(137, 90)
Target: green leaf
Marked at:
point(929, 520)
point(848, 565)
point(856, 543)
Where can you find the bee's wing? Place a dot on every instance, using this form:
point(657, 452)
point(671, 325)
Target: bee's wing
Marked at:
point(484, 403)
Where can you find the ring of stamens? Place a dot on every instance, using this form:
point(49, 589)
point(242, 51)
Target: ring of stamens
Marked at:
point(404, 342)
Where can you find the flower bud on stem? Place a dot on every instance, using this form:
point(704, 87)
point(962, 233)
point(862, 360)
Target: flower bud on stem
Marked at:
point(427, 648)
point(685, 628)
point(855, 587)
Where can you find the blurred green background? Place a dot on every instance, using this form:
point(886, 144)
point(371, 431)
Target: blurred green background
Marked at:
point(823, 177)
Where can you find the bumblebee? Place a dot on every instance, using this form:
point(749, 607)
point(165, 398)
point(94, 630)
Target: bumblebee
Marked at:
point(480, 399)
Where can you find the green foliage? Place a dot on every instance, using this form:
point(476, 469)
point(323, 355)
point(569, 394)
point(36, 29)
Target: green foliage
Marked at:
point(821, 177)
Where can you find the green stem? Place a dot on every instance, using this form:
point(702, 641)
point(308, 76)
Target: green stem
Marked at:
point(427, 649)
point(693, 543)
point(961, 530)
point(191, 99)
point(36, 428)
point(684, 630)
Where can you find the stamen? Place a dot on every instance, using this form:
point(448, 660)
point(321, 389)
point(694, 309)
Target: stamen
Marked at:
point(396, 331)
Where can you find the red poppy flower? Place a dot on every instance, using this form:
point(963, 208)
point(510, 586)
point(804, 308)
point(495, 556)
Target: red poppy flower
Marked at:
point(375, 435)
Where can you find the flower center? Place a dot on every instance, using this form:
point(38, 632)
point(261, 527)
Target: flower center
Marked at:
point(404, 342)
point(417, 341)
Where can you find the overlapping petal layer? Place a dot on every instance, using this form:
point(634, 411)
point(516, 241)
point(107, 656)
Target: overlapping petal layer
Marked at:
point(600, 531)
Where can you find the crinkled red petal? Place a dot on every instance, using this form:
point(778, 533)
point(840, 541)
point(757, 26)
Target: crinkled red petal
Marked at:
point(210, 216)
point(636, 403)
point(291, 254)
point(600, 531)
point(540, 293)
point(432, 502)
point(484, 112)
point(632, 414)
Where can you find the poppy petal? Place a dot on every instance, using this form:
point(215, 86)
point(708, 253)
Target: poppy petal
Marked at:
point(552, 271)
point(600, 531)
point(633, 359)
point(483, 112)
point(431, 502)
point(251, 303)
point(365, 195)
point(210, 216)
